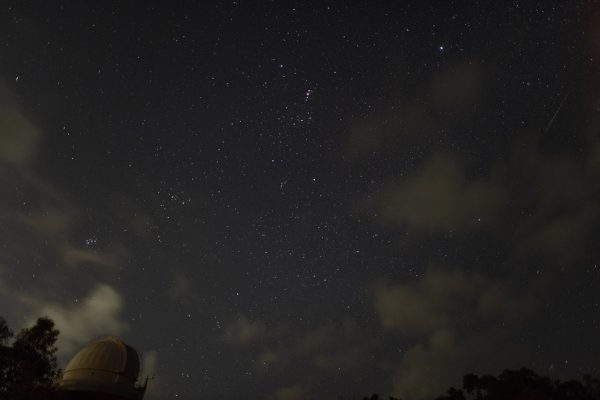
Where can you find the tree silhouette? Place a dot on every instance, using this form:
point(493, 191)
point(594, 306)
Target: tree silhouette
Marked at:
point(28, 370)
point(524, 384)
point(28, 365)
point(453, 394)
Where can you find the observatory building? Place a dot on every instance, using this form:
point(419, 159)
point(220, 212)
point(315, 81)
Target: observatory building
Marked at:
point(105, 369)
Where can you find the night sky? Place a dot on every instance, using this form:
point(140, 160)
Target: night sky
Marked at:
point(284, 201)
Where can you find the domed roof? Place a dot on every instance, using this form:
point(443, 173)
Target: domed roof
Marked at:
point(106, 365)
point(108, 354)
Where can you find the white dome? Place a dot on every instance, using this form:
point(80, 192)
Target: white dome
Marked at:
point(106, 366)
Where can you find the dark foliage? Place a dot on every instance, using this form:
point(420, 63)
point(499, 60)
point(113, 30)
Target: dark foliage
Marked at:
point(376, 397)
point(521, 385)
point(28, 370)
point(28, 366)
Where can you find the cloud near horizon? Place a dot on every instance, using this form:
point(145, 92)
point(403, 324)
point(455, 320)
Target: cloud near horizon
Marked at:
point(454, 322)
point(98, 314)
point(37, 212)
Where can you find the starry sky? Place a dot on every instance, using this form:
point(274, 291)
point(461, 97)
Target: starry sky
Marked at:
point(302, 200)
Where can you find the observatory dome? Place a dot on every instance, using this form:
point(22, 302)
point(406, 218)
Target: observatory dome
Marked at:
point(106, 366)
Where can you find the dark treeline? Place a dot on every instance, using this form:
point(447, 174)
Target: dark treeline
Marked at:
point(522, 384)
point(28, 371)
point(28, 368)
